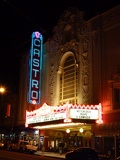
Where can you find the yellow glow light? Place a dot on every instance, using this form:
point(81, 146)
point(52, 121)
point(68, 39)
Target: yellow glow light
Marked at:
point(57, 125)
point(81, 130)
point(2, 90)
point(68, 131)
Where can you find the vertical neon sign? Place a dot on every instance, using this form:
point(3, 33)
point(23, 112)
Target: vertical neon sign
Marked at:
point(35, 68)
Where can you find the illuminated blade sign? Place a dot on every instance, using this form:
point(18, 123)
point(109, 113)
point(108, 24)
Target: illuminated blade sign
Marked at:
point(35, 68)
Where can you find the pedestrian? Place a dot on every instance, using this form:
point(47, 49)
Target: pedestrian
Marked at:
point(43, 149)
point(61, 146)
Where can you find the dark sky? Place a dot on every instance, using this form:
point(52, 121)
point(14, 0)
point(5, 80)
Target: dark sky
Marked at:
point(19, 18)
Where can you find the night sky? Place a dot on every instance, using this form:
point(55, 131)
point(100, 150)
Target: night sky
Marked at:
point(19, 18)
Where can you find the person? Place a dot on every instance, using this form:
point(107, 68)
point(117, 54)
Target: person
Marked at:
point(61, 147)
point(43, 149)
point(50, 147)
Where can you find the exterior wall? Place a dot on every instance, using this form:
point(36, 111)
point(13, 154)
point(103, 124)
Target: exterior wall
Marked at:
point(109, 38)
point(8, 121)
point(110, 52)
point(23, 87)
point(12, 100)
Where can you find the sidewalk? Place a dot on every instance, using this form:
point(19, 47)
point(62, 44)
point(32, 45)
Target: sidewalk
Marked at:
point(51, 154)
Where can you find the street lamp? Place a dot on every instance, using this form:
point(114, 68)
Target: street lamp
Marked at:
point(4, 102)
point(6, 115)
point(2, 89)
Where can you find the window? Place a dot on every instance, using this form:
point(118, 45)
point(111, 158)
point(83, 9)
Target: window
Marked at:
point(117, 95)
point(114, 88)
point(69, 81)
point(116, 98)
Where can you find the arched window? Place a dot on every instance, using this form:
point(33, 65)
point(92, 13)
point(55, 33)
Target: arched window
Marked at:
point(69, 81)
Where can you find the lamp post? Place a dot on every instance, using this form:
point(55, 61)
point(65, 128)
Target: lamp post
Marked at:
point(5, 102)
point(2, 91)
point(7, 112)
point(81, 135)
point(67, 140)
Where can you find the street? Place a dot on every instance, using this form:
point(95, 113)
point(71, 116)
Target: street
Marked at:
point(7, 155)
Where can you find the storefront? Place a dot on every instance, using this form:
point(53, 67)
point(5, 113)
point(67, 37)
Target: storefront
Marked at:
point(107, 138)
point(69, 123)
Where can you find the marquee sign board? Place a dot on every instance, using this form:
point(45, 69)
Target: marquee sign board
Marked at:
point(83, 114)
point(66, 112)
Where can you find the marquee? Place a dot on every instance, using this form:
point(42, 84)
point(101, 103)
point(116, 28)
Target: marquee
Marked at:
point(67, 112)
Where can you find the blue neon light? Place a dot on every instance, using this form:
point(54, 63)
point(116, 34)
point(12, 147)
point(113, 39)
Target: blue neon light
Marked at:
point(35, 64)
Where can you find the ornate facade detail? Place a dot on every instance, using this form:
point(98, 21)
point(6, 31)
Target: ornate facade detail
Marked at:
point(52, 82)
point(69, 46)
point(85, 73)
point(70, 31)
point(85, 94)
point(70, 26)
point(60, 70)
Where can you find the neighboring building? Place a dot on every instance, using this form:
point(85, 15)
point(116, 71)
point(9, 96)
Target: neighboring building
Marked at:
point(81, 65)
point(8, 116)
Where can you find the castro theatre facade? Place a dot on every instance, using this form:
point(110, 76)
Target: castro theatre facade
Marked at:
point(69, 86)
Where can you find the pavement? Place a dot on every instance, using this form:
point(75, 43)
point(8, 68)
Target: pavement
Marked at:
point(51, 154)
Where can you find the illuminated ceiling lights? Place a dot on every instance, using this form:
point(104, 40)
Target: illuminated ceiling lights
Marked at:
point(81, 130)
point(67, 130)
point(58, 125)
